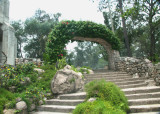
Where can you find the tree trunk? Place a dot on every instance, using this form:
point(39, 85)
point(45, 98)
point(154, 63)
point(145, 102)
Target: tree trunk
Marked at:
point(125, 30)
point(151, 32)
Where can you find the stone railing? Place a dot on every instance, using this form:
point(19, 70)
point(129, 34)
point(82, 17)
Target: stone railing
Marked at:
point(35, 61)
point(139, 68)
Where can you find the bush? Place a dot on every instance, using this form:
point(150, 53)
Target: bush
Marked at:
point(6, 99)
point(47, 76)
point(13, 76)
point(107, 91)
point(97, 107)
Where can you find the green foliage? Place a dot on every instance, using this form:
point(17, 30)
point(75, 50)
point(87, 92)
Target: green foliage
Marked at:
point(47, 77)
point(35, 93)
point(6, 97)
point(107, 91)
point(74, 68)
point(61, 63)
point(16, 76)
point(34, 32)
point(24, 68)
point(97, 107)
point(31, 93)
point(66, 30)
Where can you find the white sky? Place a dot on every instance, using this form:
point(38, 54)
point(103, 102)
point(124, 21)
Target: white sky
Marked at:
point(70, 10)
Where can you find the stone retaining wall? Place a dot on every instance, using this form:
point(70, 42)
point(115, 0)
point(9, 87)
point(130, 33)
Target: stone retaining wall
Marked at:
point(135, 67)
point(35, 61)
point(157, 74)
point(139, 68)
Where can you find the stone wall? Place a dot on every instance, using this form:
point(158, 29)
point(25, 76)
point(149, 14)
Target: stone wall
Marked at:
point(35, 61)
point(157, 74)
point(135, 67)
point(139, 68)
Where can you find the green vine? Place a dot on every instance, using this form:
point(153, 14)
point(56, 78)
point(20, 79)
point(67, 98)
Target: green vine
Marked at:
point(67, 30)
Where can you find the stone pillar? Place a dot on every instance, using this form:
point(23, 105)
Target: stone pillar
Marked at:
point(4, 11)
point(9, 45)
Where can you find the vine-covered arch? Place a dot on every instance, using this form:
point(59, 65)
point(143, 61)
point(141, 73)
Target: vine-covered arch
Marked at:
point(81, 31)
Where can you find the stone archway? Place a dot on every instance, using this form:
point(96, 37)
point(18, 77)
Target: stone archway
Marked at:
point(112, 54)
point(81, 31)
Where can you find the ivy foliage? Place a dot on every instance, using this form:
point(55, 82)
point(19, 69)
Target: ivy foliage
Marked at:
point(67, 30)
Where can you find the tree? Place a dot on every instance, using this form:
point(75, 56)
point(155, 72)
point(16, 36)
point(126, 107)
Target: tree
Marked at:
point(20, 35)
point(88, 54)
point(103, 4)
point(149, 9)
point(124, 29)
point(37, 29)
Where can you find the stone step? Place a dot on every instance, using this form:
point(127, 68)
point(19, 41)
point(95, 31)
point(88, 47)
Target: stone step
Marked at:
point(64, 102)
point(106, 74)
point(56, 108)
point(45, 112)
point(144, 101)
point(132, 85)
point(118, 80)
point(144, 95)
point(129, 82)
point(108, 77)
point(81, 95)
point(141, 90)
point(144, 108)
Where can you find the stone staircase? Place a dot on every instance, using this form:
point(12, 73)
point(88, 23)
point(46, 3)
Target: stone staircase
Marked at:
point(142, 99)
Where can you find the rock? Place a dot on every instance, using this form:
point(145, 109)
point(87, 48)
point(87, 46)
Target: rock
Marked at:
point(39, 78)
point(12, 88)
point(91, 99)
point(32, 107)
point(18, 99)
point(90, 71)
point(40, 71)
point(150, 82)
point(146, 75)
point(147, 60)
point(135, 75)
point(9, 111)
point(26, 81)
point(40, 102)
point(67, 67)
point(21, 105)
point(67, 81)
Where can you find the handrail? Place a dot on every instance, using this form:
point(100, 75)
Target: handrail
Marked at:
point(3, 55)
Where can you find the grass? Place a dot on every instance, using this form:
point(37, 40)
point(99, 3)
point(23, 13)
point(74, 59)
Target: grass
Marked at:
point(7, 99)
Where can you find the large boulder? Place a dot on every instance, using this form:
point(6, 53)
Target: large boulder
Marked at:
point(67, 81)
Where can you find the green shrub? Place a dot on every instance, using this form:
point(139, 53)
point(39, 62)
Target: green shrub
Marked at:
point(6, 99)
point(97, 107)
point(24, 68)
point(61, 63)
point(107, 91)
point(12, 76)
point(47, 76)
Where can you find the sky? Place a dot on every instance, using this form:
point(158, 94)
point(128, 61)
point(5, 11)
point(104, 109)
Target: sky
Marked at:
point(70, 9)
point(84, 10)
